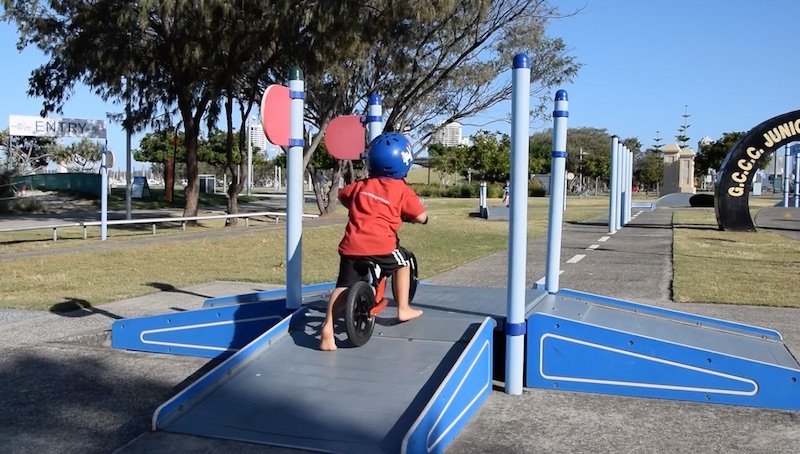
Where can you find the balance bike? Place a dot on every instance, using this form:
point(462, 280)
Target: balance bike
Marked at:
point(365, 299)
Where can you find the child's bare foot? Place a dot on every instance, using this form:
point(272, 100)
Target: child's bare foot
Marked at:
point(327, 342)
point(408, 314)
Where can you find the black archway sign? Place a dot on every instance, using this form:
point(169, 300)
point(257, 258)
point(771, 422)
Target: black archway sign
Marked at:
point(735, 178)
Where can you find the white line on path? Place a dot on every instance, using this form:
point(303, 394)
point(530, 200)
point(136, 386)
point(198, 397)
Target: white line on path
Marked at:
point(603, 239)
point(594, 246)
point(576, 258)
point(542, 280)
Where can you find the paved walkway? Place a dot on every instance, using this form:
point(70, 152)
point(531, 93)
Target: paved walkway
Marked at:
point(63, 390)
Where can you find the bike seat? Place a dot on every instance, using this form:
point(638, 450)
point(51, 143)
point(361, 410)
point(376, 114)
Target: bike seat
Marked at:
point(369, 268)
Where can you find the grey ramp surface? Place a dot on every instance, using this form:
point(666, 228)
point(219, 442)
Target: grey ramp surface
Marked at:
point(354, 400)
point(676, 330)
point(471, 301)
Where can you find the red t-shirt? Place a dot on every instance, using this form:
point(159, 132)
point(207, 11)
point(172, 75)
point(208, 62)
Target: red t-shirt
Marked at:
point(377, 207)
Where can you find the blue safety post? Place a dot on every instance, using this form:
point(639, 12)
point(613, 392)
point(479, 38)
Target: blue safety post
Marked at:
point(558, 165)
point(796, 180)
point(618, 189)
point(630, 185)
point(294, 191)
point(374, 118)
point(483, 209)
point(104, 192)
point(623, 178)
point(518, 225)
point(612, 187)
point(787, 170)
point(626, 215)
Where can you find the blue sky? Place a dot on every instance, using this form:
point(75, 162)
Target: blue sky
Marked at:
point(734, 63)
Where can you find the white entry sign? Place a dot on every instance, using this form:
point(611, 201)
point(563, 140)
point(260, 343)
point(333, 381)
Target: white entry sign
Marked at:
point(23, 125)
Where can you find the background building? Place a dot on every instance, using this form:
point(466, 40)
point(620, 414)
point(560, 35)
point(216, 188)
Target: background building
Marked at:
point(449, 135)
point(257, 137)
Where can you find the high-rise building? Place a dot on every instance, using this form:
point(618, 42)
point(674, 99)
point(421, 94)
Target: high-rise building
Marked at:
point(448, 135)
point(257, 137)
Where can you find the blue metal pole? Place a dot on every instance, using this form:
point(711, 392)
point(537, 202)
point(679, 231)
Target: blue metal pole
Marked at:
point(374, 117)
point(618, 189)
point(104, 193)
point(612, 187)
point(787, 170)
point(623, 193)
point(557, 191)
point(796, 180)
point(623, 180)
point(482, 201)
point(630, 187)
point(518, 224)
point(295, 192)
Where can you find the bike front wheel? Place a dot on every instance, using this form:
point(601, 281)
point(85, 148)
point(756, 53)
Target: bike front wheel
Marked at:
point(360, 300)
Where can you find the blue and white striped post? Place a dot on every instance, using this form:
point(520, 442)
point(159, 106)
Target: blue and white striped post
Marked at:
point(787, 170)
point(294, 191)
point(623, 177)
point(797, 180)
point(629, 204)
point(518, 225)
point(558, 167)
point(104, 192)
point(483, 210)
point(622, 180)
point(618, 191)
point(374, 118)
point(612, 187)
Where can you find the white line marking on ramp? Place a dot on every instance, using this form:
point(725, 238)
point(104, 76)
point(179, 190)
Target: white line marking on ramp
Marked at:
point(544, 278)
point(603, 239)
point(594, 246)
point(576, 258)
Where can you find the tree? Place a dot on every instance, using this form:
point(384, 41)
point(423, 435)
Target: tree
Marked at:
point(174, 57)
point(711, 156)
point(27, 154)
point(649, 169)
point(682, 136)
point(490, 156)
point(447, 162)
point(84, 154)
point(430, 63)
point(594, 143)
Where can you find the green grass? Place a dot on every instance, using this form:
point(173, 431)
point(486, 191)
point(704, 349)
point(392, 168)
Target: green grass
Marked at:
point(94, 277)
point(713, 266)
point(710, 266)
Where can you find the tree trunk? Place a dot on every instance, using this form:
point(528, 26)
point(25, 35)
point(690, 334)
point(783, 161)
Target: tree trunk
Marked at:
point(192, 191)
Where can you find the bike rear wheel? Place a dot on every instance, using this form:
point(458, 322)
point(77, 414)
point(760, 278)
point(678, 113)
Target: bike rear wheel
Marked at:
point(360, 300)
point(412, 288)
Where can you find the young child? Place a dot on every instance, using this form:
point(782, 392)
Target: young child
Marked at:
point(378, 206)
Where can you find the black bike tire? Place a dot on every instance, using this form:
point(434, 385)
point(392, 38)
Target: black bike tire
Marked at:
point(412, 288)
point(360, 300)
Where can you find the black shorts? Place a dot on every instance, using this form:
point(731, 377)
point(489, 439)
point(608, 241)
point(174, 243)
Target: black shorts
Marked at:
point(349, 273)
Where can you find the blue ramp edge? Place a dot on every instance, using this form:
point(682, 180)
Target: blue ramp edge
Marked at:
point(460, 395)
point(585, 343)
point(211, 333)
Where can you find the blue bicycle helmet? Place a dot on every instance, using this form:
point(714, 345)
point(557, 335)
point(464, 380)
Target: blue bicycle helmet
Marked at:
point(390, 156)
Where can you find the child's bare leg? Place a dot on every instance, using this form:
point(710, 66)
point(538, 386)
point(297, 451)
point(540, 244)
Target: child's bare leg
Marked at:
point(327, 341)
point(401, 282)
